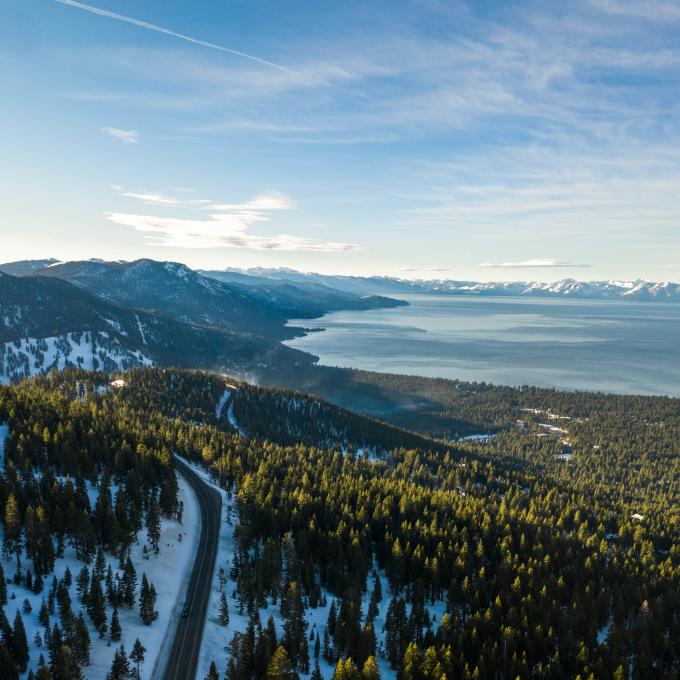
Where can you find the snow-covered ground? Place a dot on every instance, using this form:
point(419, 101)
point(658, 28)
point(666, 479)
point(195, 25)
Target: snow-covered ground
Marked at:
point(141, 329)
point(27, 357)
point(475, 437)
point(233, 422)
point(224, 400)
point(222, 403)
point(216, 637)
point(603, 633)
point(168, 572)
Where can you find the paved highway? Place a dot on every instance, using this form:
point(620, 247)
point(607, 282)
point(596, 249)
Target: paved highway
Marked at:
point(183, 656)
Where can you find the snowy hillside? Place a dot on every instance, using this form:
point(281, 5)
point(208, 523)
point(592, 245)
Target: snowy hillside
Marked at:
point(27, 357)
point(49, 323)
point(174, 290)
point(167, 571)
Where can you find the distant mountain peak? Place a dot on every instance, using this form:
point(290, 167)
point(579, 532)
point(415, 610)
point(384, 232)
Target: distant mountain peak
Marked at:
point(636, 289)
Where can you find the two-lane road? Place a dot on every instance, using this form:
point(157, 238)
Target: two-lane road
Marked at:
point(183, 656)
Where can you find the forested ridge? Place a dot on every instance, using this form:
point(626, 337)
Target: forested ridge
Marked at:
point(553, 559)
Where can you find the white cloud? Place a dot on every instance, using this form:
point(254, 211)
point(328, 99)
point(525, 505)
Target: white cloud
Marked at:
point(228, 226)
point(125, 136)
point(162, 199)
point(532, 263)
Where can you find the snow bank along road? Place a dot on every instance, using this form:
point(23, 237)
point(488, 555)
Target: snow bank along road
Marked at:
point(183, 656)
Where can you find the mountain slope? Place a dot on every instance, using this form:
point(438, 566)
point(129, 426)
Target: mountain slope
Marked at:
point(170, 289)
point(174, 290)
point(301, 298)
point(24, 267)
point(49, 323)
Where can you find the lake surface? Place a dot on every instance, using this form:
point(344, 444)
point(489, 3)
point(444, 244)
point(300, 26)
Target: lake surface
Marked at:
point(613, 346)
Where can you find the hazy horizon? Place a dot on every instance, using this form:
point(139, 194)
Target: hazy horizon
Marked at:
point(404, 275)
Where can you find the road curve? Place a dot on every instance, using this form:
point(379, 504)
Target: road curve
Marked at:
point(182, 659)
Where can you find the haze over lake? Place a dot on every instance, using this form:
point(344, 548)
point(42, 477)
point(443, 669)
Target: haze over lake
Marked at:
point(613, 346)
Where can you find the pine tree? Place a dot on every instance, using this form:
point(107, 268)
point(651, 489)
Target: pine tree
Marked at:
point(346, 670)
point(96, 606)
point(153, 525)
point(120, 666)
point(100, 564)
point(83, 584)
point(303, 660)
point(224, 611)
point(270, 635)
point(294, 636)
point(38, 584)
point(108, 582)
point(147, 602)
point(8, 668)
point(3, 588)
point(13, 526)
point(5, 629)
point(137, 655)
point(129, 583)
point(115, 630)
point(280, 667)
point(82, 644)
point(316, 673)
point(370, 671)
point(19, 643)
point(326, 645)
point(212, 673)
point(63, 665)
point(44, 614)
point(411, 662)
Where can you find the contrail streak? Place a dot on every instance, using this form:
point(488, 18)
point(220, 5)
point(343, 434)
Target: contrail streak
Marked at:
point(203, 43)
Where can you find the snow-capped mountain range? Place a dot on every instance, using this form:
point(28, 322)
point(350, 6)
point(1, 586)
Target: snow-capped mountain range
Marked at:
point(567, 288)
point(631, 290)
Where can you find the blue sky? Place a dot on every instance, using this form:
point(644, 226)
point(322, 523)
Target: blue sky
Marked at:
point(485, 140)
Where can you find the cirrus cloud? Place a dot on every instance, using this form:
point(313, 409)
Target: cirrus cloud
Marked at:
point(227, 226)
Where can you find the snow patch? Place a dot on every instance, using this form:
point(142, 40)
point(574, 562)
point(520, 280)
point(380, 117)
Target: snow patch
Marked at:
point(166, 571)
point(24, 358)
point(233, 422)
point(222, 403)
point(141, 329)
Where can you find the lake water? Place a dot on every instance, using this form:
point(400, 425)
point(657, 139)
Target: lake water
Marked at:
point(613, 346)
